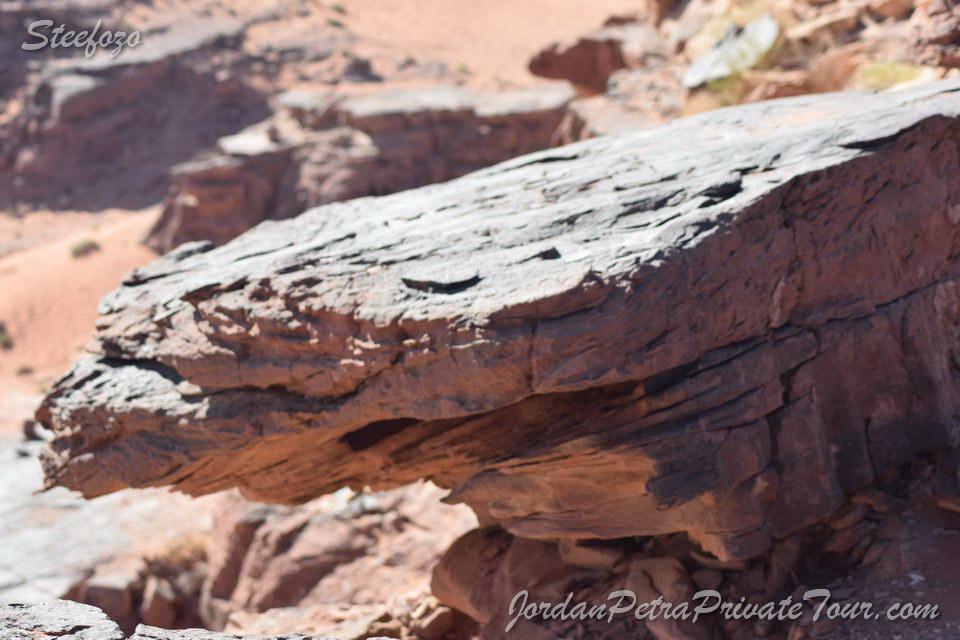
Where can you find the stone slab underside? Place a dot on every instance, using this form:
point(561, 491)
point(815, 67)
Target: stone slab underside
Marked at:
point(719, 326)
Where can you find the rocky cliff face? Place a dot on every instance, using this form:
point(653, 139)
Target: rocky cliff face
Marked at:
point(102, 132)
point(719, 327)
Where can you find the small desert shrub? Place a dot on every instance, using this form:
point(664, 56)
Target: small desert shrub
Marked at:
point(339, 8)
point(883, 75)
point(84, 248)
point(6, 340)
point(181, 555)
point(25, 370)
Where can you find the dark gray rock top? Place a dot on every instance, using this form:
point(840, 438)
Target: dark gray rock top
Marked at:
point(57, 619)
point(66, 620)
point(477, 331)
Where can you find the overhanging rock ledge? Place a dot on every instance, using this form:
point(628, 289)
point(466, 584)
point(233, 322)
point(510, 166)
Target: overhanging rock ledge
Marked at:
point(720, 326)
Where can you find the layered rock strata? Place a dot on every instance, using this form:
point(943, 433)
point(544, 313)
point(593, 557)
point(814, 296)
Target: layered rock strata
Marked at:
point(717, 327)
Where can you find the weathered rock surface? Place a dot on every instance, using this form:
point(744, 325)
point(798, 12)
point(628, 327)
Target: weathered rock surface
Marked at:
point(72, 621)
point(145, 632)
point(58, 619)
point(718, 327)
point(883, 546)
point(326, 148)
point(368, 551)
point(936, 26)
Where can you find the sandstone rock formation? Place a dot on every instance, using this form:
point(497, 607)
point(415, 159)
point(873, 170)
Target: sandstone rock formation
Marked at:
point(150, 557)
point(883, 546)
point(102, 131)
point(717, 327)
point(324, 148)
point(373, 551)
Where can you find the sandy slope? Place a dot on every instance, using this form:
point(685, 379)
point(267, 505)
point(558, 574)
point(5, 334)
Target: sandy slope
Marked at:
point(493, 39)
point(48, 302)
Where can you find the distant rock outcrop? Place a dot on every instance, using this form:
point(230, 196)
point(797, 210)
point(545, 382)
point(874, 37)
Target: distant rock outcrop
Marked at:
point(719, 327)
point(101, 132)
point(591, 60)
point(936, 27)
point(676, 59)
point(323, 148)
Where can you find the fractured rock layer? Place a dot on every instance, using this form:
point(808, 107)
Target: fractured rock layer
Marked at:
point(719, 327)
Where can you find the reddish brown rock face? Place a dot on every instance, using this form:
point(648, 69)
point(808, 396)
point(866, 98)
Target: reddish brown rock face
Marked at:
point(590, 61)
point(718, 327)
point(371, 550)
point(936, 28)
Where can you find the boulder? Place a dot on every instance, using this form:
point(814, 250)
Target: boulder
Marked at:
point(590, 61)
point(718, 327)
point(740, 50)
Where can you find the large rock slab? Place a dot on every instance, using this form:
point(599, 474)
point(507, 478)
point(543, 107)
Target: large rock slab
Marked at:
point(719, 326)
